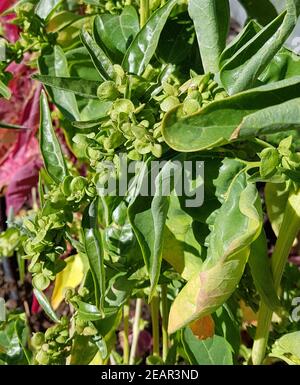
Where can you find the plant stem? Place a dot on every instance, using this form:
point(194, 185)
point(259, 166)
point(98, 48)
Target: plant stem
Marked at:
point(136, 330)
point(126, 334)
point(155, 323)
point(164, 316)
point(288, 231)
point(144, 12)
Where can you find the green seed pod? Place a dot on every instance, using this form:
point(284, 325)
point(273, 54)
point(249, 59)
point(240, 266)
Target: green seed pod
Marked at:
point(269, 161)
point(93, 153)
point(42, 358)
point(83, 291)
point(196, 95)
point(37, 340)
point(35, 268)
point(45, 347)
point(134, 155)
point(123, 105)
point(139, 131)
point(169, 103)
point(78, 183)
point(169, 89)
point(89, 331)
point(91, 191)
point(61, 339)
point(65, 187)
point(107, 91)
point(40, 281)
point(69, 293)
point(143, 148)
point(119, 74)
point(206, 95)
point(220, 95)
point(113, 141)
point(156, 150)
point(190, 106)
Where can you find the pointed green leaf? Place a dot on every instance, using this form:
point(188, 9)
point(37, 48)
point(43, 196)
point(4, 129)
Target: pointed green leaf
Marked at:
point(260, 267)
point(81, 87)
point(94, 251)
point(243, 69)
point(50, 148)
point(144, 45)
point(117, 31)
point(211, 19)
point(276, 198)
point(45, 305)
point(148, 215)
point(102, 63)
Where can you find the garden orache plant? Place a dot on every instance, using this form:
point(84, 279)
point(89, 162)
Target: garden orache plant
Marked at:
point(147, 81)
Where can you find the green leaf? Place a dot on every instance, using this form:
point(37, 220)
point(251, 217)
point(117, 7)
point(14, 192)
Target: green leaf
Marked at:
point(276, 197)
point(287, 348)
point(227, 119)
point(4, 90)
point(176, 42)
point(51, 152)
point(211, 19)
point(14, 335)
point(284, 65)
point(246, 34)
point(45, 304)
point(45, 7)
point(243, 69)
point(56, 65)
point(180, 248)
point(143, 47)
point(102, 63)
point(260, 267)
point(83, 350)
point(86, 311)
point(282, 117)
point(236, 225)
point(94, 251)
point(117, 31)
point(261, 10)
point(148, 215)
point(212, 351)
point(78, 86)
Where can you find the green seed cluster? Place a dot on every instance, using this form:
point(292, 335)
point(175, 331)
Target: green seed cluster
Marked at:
point(53, 346)
point(44, 241)
point(134, 127)
point(282, 160)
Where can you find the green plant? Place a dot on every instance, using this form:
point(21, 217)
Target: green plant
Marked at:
point(157, 80)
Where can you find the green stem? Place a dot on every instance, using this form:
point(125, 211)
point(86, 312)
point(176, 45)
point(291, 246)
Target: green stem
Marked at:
point(144, 12)
point(136, 330)
point(155, 324)
point(164, 316)
point(288, 231)
point(126, 334)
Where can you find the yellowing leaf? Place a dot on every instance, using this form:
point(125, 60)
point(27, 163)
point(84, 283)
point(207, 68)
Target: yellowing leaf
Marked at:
point(71, 276)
